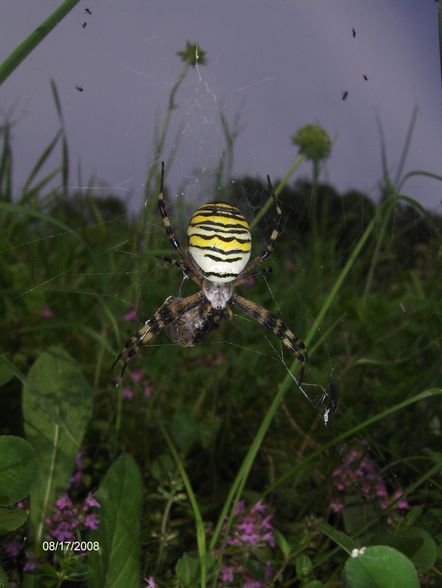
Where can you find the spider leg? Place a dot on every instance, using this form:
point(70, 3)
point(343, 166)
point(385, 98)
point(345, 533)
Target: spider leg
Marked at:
point(244, 277)
point(169, 312)
point(275, 233)
point(166, 222)
point(178, 264)
point(269, 320)
point(187, 264)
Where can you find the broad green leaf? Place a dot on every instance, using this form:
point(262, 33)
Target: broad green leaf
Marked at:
point(380, 567)
point(11, 519)
point(67, 394)
point(118, 561)
point(413, 542)
point(18, 468)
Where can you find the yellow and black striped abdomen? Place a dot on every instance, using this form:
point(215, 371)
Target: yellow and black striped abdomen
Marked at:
point(219, 241)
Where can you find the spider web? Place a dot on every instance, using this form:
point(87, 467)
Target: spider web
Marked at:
point(196, 140)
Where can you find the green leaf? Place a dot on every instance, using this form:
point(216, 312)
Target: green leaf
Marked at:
point(118, 561)
point(6, 374)
point(18, 468)
point(380, 567)
point(283, 544)
point(187, 571)
point(340, 538)
point(66, 394)
point(11, 519)
point(3, 579)
point(304, 566)
point(413, 542)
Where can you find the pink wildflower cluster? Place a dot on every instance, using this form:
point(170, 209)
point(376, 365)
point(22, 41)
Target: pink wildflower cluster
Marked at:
point(359, 470)
point(13, 548)
point(252, 531)
point(150, 582)
point(68, 519)
point(137, 376)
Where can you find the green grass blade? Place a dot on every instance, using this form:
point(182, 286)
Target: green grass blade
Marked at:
point(406, 147)
point(40, 162)
point(200, 533)
point(36, 37)
point(35, 191)
point(418, 173)
point(19, 209)
point(64, 143)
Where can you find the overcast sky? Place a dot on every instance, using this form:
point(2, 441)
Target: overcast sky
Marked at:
point(281, 63)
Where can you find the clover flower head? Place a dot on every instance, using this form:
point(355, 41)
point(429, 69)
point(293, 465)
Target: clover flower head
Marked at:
point(313, 142)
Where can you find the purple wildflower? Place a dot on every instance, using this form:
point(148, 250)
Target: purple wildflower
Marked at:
point(76, 479)
point(91, 521)
point(79, 461)
point(47, 312)
point(252, 528)
point(336, 505)
point(128, 393)
point(63, 502)
point(359, 470)
point(31, 562)
point(137, 375)
point(92, 502)
point(12, 547)
point(63, 532)
point(227, 574)
point(131, 315)
point(250, 583)
point(148, 389)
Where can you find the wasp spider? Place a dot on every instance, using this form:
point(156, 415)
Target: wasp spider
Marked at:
point(217, 260)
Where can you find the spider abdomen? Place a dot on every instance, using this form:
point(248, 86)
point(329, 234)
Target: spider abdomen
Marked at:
point(219, 241)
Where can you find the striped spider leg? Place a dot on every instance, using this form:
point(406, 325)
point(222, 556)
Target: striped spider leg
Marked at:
point(172, 309)
point(187, 266)
point(275, 233)
point(269, 320)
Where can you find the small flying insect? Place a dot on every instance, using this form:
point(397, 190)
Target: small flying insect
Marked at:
point(344, 94)
point(365, 76)
point(88, 11)
point(84, 25)
point(79, 88)
point(353, 33)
